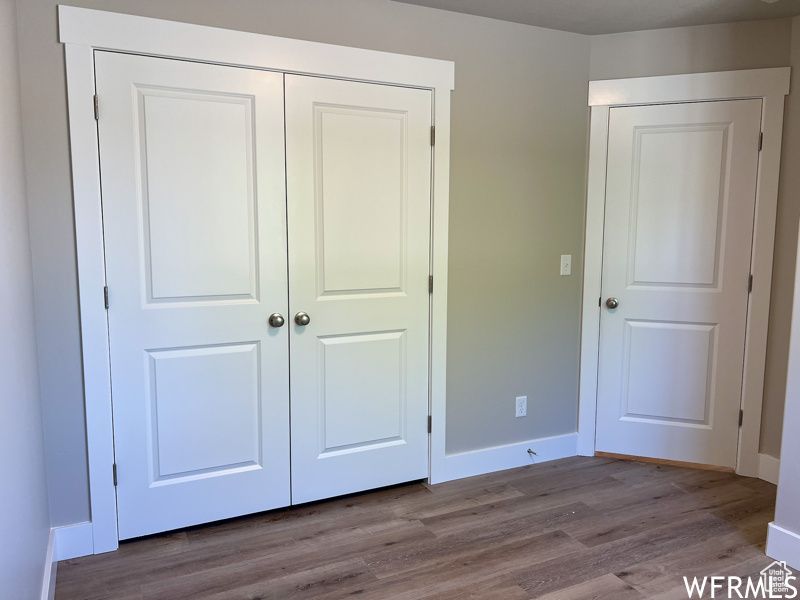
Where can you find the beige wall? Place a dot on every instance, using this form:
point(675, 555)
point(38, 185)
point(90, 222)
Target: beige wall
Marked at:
point(787, 507)
point(723, 48)
point(726, 47)
point(519, 122)
point(24, 518)
point(783, 271)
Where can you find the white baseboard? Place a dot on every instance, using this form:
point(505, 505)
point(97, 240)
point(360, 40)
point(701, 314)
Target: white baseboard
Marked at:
point(72, 541)
point(783, 545)
point(499, 458)
point(50, 565)
point(768, 468)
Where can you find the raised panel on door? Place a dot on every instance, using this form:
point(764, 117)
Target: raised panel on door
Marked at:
point(199, 227)
point(680, 198)
point(193, 185)
point(679, 176)
point(371, 413)
point(204, 410)
point(358, 173)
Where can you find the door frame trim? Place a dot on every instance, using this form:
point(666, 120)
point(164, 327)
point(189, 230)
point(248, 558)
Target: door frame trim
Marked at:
point(770, 85)
point(82, 31)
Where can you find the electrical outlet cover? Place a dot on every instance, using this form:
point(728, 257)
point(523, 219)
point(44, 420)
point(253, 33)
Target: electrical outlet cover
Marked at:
point(522, 406)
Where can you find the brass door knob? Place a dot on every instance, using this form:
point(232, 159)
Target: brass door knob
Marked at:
point(302, 319)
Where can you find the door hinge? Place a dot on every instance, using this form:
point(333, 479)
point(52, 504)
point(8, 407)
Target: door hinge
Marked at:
point(430, 284)
point(750, 284)
point(96, 108)
point(741, 417)
point(760, 141)
point(430, 423)
point(105, 296)
point(114, 471)
point(433, 135)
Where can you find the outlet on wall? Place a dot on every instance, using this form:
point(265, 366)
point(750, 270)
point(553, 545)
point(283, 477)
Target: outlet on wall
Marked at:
point(522, 406)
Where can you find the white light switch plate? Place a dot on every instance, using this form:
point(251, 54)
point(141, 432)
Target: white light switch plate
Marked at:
point(566, 264)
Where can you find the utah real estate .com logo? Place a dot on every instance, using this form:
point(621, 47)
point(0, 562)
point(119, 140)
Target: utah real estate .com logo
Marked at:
point(776, 581)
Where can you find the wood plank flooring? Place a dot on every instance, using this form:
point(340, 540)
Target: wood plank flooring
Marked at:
point(577, 528)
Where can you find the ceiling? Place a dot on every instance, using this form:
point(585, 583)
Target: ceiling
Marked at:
point(593, 17)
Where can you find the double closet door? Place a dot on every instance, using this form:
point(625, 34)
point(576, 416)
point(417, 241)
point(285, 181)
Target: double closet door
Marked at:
point(267, 253)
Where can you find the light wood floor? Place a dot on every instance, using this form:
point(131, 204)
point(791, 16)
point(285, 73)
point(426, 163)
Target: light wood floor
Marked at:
point(574, 528)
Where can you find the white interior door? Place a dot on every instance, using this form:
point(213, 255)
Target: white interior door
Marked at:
point(680, 196)
point(358, 173)
point(192, 162)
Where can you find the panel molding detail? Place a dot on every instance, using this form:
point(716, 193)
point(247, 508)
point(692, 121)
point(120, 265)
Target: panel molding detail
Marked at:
point(193, 260)
point(190, 391)
point(695, 267)
point(344, 268)
point(377, 417)
point(637, 396)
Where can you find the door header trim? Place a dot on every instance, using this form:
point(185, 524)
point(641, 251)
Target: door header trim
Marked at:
point(156, 37)
point(694, 87)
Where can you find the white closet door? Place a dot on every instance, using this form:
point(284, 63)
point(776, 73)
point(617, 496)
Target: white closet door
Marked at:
point(192, 162)
point(681, 185)
point(358, 173)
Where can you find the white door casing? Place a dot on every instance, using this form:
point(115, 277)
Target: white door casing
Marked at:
point(680, 196)
point(194, 217)
point(769, 85)
point(359, 201)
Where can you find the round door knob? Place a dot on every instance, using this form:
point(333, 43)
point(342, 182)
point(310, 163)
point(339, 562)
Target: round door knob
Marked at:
point(276, 320)
point(302, 319)
point(612, 303)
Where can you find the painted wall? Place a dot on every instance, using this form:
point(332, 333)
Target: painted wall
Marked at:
point(783, 271)
point(519, 122)
point(787, 508)
point(727, 47)
point(24, 516)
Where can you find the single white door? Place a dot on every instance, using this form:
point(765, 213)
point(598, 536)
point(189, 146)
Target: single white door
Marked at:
point(192, 163)
point(358, 174)
point(680, 199)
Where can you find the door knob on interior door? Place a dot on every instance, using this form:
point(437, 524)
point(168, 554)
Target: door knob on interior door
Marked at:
point(276, 320)
point(612, 303)
point(302, 319)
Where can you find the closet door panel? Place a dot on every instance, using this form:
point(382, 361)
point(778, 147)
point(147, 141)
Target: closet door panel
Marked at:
point(358, 174)
point(193, 185)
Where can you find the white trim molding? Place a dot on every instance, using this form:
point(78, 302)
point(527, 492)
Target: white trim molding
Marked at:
point(73, 541)
point(771, 85)
point(83, 31)
point(511, 456)
point(783, 545)
point(694, 87)
point(768, 468)
point(50, 568)
point(118, 32)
